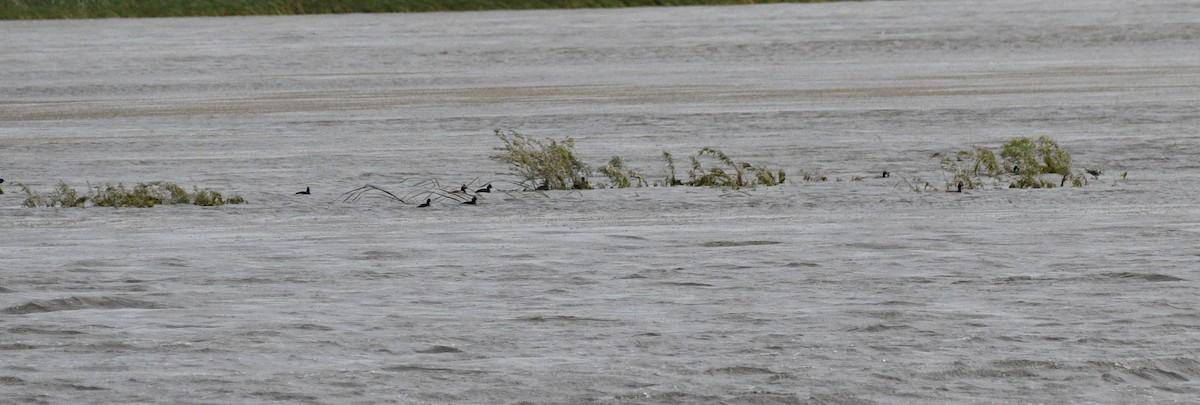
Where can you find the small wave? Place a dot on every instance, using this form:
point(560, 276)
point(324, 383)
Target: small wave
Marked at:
point(379, 255)
point(406, 368)
point(878, 328)
point(685, 284)
point(561, 318)
point(17, 346)
point(439, 350)
point(10, 380)
point(1159, 371)
point(631, 237)
point(285, 396)
point(725, 243)
point(838, 398)
point(901, 303)
point(74, 303)
point(311, 326)
point(37, 331)
point(1014, 279)
point(78, 387)
point(1151, 277)
point(740, 370)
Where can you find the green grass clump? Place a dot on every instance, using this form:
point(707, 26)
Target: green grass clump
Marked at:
point(44, 9)
point(142, 195)
point(543, 165)
point(1022, 163)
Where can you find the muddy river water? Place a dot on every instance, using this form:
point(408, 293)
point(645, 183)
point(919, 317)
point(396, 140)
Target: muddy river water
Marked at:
point(853, 290)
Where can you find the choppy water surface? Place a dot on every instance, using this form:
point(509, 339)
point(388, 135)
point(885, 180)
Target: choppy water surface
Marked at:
point(846, 291)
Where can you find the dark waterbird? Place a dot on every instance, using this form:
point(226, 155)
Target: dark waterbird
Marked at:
point(426, 203)
point(306, 191)
point(487, 189)
point(886, 174)
point(474, 200)
point(462, 189)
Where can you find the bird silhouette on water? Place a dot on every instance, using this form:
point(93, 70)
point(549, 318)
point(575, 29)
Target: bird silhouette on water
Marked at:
point(306, 191)
point(487, 189)
point(426, 203)
point(462, 189)
point(474, 200)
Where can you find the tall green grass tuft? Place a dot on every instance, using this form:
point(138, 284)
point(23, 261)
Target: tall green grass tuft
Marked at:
point(142, 195)
point(543, 165)
point(1022, 163)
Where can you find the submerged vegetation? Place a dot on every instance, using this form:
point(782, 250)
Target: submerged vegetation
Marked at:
point(553, 165)
point(543, 165)
point(1021, 163)
point(142, 195)
point(49, 9)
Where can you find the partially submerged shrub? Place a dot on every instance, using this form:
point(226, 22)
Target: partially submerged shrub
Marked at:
point(738, 175)
point(548, 165)
point(671, 180)
point(1032, 159)
point(552, 165)
point(143, 195)
point(1026, 163)
point(65, 196)
point(118, 196)
point(769, 178)
point(969, 167)
point(32, 199)
point(207, 198)
point(813, 176)
point(621, 176)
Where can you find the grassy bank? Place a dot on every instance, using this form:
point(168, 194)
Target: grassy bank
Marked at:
point(55, 9)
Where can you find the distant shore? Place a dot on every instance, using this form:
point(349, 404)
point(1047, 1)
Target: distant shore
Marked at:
point(74, 9)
